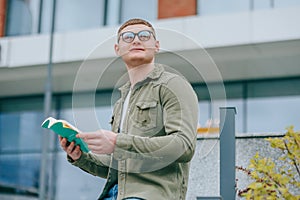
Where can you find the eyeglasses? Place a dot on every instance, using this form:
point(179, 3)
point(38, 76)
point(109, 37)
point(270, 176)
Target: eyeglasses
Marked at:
point(129, 36)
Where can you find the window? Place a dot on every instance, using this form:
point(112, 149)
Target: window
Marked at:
point(262, 4)
point(35, 16)
point(88, 119)
point(20, 144)
point(204, 113)
point(21, 128)
point(73, 183)
point(22, 17)
point(273, 114)
point(20, 125)
point(20, 172)
point(286, 3)
point(73, 15)
point(207, 7)
point(146, 9)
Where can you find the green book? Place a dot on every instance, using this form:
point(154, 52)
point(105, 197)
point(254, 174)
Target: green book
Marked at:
point(66, 130)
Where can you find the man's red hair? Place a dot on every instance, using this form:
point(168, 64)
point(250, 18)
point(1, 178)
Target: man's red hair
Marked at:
point(135, 21)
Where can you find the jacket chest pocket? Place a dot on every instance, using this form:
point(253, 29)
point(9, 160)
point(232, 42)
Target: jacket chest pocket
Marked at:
point(145, 115)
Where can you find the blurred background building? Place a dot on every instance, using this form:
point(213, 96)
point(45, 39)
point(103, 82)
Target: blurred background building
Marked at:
point(252, 45)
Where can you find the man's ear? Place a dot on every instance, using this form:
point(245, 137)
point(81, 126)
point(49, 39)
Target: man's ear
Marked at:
point(117, 49)
point(157, 46)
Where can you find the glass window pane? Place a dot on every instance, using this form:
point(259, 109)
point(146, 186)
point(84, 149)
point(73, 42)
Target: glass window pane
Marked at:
point(20, 172)
point(146, 9)
point(285, 87)
point(273, 114)
point(286, 3)
point(9, 128)
point(204, 114)
point(20, 131)
point(207, 7)
point(88, 111)
point(30, 132)
point(104, 117)
point(88, 119)
point(73, 15)
point(20, 125)
point(22, 17)
point(73, 183)
point(262, 4)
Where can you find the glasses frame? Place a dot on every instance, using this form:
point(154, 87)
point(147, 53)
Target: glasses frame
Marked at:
point(136, 34)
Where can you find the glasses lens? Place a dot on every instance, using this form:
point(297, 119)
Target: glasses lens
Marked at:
point(144, 35)
point(128, 36)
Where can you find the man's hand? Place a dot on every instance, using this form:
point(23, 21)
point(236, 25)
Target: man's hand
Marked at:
point(100, 142)
point(70, 148)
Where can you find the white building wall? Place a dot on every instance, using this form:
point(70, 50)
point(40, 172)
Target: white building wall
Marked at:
point(209, 31)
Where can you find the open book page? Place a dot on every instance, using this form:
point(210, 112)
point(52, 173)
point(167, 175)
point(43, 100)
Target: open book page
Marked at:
point(50, 121)
point(66, 130)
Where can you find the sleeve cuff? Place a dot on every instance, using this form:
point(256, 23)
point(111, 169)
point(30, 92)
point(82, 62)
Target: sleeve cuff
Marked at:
point(79, 161)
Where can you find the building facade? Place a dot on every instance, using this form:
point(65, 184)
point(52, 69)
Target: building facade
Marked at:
point(241, 53)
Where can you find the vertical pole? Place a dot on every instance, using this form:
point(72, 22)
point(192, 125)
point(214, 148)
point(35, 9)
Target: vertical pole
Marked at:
point(245, 102)
point(227, 152)
point(40, 16)
point(47, 112)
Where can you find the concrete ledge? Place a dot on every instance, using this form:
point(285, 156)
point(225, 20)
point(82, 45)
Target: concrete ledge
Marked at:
point(204, 177)
point(240, 135)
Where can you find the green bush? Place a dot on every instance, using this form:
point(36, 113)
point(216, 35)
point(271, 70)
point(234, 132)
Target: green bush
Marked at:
point(271, 181)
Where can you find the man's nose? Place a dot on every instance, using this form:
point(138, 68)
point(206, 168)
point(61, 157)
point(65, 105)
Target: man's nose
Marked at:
point(136, 40)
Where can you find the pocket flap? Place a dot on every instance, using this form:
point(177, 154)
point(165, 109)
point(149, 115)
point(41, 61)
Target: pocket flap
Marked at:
point(146, 105)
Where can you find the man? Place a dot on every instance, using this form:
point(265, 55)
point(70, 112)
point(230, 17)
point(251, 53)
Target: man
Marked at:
point(153, 137)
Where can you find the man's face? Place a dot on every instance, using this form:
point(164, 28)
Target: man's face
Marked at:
point(137, 52)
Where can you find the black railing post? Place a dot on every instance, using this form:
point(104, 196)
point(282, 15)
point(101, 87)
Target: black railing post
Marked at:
point(227, 152)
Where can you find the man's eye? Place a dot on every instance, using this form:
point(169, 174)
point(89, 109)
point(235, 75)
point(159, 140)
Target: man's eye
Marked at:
point(144, 36)
point(129, 36)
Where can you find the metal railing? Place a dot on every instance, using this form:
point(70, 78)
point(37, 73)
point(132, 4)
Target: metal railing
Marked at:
point(227, 155)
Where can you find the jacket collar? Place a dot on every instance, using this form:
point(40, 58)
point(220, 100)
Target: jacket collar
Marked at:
point(154, 74)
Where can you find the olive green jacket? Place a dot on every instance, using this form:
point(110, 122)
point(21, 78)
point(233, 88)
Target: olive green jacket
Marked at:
point(153, 152)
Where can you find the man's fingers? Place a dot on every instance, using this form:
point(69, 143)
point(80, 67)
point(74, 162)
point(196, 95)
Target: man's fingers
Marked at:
point(63, 143)
point(71, 147)
point(95, 142)
point(89, 135)
point(64, 140)
point(77, 149)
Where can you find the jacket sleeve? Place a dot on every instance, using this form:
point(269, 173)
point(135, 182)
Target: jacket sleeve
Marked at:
point(94, 164)
point(180, 115)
